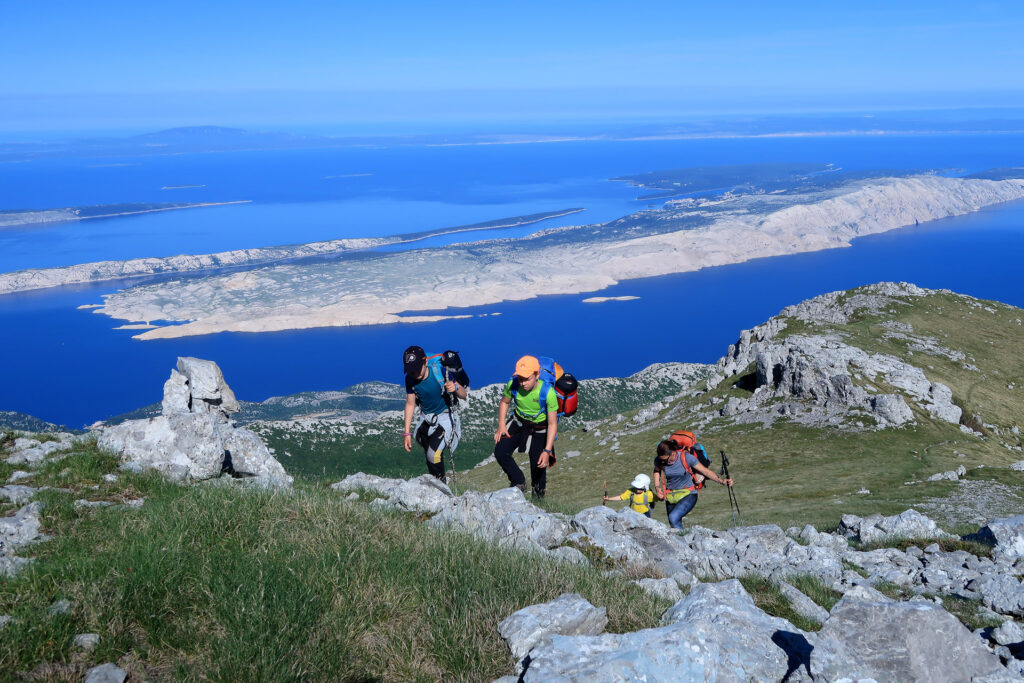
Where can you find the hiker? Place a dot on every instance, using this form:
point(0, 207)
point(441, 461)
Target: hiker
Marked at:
point(530, 422)
point(640, 497)
point(674, 470)
point(435, 384)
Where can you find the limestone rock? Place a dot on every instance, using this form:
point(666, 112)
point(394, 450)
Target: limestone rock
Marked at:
point(662, 588)
point(660, 654)
point(569, 554)
point(4, 620)
point(751, 644)
point(999, 592)
point(902, 641)
point(568, 614)
point(908, 524)
point(106, 673)
point(22, 528)
point(1009, 633)
point(1007, 534)
point(503, 516)
point(193, 440)
point(802, 604)
point(177, 398)
point(207, 388)
point(183, 447)
point(87, 641)
point(16, 494)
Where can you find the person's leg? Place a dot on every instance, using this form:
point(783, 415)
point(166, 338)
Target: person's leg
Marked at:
point(538, 475)
point(435, 452)
point(426, 437)
point(503, 454)
point(679, 510)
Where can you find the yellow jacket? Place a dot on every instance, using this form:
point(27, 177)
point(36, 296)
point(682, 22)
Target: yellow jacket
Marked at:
point(639, 501)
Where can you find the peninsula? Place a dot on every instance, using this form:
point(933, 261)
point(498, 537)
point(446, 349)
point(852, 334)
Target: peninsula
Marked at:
point(12, 219)
point(43, 278)
point(685, 235)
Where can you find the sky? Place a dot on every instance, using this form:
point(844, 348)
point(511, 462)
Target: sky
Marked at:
point(96, 65)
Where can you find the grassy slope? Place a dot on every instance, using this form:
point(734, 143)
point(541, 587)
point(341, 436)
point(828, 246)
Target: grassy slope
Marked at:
point(220, 583)
point(792, 475)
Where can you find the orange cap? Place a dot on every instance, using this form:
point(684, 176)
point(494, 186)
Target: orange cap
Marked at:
point(527, 365)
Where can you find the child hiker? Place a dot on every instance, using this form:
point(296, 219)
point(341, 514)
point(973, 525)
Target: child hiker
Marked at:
point(639, 495)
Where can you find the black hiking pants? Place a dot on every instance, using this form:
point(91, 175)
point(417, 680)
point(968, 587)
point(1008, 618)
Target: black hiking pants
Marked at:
point(523, 435)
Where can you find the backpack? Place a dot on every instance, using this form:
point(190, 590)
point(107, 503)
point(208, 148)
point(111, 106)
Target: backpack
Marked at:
point(441, 365)
point(565, 386)
point(687, 443)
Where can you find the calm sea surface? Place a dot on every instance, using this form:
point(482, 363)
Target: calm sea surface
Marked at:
point(70, 366)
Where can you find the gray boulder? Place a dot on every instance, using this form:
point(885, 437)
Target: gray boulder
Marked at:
point(1008, 633)
point(22, 528)
point(898, 641)
point(568, 614)
point(503, 516)
point(751, 644)
point(802, 604)
point(106, 673)
point(193, 440)
point(86, 641)
point(662, 588)
point(4, 620)
point(569, 554)
point(999, 592)
point(659, 654)
point(1007, 534)
point(207, 389)
point(908, 524)
point(16, 494)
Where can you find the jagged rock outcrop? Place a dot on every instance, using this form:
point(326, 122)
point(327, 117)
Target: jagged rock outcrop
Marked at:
point(194, 439)
point(819, 380)
point(1007, 534)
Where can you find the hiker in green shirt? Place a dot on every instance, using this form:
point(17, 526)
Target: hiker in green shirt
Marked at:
point(531, 425)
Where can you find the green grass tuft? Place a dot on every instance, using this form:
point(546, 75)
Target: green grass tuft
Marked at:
point(768, 597)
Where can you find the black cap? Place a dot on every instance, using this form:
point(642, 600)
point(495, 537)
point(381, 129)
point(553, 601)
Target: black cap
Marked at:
point(412, 359)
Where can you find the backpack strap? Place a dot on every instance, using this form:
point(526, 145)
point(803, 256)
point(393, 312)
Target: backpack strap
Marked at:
point(686, 465)
point(545, 389)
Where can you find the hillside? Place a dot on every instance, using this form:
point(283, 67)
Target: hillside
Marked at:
point(831, 377)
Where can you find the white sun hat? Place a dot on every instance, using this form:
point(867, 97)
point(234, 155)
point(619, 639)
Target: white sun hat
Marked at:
point(641, 481)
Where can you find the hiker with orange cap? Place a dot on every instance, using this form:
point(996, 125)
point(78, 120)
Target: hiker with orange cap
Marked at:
point(531, 425)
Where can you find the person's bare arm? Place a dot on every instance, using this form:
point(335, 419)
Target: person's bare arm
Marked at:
point(410, 408)
point(659, 484)
point(502, 431)
point(711, 475)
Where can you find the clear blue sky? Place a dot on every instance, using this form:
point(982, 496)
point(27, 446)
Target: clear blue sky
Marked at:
point(105, 64)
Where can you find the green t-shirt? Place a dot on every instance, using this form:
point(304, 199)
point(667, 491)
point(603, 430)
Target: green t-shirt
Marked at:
point(527, 405)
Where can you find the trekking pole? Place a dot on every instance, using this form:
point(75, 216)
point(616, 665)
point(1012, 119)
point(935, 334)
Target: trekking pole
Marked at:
point(733, 503)
point(603, 501)
point(448, 439)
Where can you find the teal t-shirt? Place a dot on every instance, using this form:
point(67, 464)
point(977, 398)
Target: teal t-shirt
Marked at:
point(527, 405)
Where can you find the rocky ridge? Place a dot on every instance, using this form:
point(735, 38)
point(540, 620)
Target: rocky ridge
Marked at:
point(914, 639)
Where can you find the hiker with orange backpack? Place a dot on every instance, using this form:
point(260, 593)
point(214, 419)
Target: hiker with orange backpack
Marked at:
point(435, 384)
point(679, 474)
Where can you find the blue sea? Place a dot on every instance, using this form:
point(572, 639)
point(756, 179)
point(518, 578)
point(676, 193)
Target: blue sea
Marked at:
point(70, 366)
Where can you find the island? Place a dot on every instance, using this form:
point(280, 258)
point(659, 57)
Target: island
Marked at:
point(687, 234)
